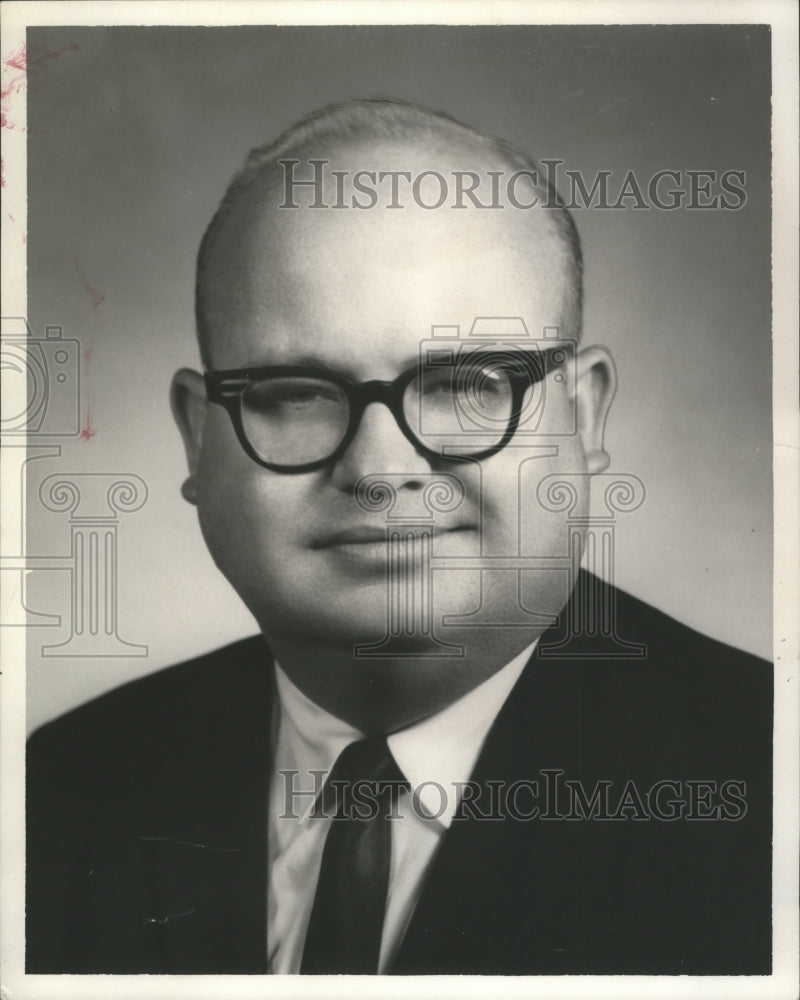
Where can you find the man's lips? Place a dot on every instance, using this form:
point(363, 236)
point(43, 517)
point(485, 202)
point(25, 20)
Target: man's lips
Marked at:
point(369, 535)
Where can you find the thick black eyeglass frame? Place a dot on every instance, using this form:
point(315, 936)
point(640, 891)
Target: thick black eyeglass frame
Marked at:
point(226, 388)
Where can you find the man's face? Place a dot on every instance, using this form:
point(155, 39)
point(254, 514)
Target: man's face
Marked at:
point(357, 292)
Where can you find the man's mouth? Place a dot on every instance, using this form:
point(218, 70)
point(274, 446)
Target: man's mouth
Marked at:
point(359, 535)
point(371, 535)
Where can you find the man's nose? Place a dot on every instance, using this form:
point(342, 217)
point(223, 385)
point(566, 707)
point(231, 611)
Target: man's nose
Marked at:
point(379, 446)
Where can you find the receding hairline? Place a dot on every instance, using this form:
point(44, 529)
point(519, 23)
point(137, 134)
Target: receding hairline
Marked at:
point(338, 127)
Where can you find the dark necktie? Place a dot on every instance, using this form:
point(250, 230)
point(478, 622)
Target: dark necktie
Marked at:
point(344, 932)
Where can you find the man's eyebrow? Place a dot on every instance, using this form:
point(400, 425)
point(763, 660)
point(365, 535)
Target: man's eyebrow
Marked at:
point(325, 364)
point(298, 361)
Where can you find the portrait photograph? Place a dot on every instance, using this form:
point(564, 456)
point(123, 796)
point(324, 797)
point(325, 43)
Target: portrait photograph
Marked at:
point(400, 487)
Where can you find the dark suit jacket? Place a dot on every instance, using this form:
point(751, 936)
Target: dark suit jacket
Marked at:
point(147, 821)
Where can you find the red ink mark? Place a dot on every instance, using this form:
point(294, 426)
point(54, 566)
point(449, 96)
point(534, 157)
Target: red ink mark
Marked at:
point(12, 219)
point(18, 60)
point(36, 58)
point(7, 93)
point(23, 62)
point(26, 59)
point(88, 431)
point(2, 172)
point(94, 295)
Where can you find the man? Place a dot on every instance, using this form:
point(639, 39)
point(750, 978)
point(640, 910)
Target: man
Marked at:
point(422, 765)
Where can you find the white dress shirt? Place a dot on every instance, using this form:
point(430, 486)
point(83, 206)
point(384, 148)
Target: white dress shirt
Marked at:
point(434, 756)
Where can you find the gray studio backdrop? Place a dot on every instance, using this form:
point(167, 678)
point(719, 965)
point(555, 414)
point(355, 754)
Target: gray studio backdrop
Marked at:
point(133, 136)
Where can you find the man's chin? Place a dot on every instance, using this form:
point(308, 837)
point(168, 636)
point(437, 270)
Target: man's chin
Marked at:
point(345, 633)
point(367, 619)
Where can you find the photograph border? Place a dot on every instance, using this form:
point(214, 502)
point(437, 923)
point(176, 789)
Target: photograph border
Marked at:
point(783, 18)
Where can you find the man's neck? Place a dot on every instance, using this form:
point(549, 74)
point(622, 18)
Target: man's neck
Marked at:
point(382, 695)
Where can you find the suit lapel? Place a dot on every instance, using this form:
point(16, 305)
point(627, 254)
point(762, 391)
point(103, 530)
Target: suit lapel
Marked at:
point(503, 895)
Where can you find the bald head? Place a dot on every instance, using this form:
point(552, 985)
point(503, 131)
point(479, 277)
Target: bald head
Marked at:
point(426, 181)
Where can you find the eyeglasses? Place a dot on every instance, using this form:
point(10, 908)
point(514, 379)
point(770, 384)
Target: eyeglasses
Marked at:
point(454, 404)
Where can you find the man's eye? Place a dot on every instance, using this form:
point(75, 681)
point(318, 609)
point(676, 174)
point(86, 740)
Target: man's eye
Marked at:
point(486, 378)
point(440, 385)
point(274, 397)
point(297, 397)
point(491, 379)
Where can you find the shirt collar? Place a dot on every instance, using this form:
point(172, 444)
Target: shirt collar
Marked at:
point(440, 751)
point(309, 737)
point(434, 754)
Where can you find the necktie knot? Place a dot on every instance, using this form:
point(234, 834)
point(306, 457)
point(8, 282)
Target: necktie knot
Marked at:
point(364, 777)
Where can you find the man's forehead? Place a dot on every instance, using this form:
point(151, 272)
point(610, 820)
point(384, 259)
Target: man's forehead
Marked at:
point(347, 269)
point(365, 189)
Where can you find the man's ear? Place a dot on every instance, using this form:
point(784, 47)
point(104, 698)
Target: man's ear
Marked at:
point(189, 405)
point(595, 385)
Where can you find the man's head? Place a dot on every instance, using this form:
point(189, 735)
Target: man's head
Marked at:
point(384, 127)
point(356, 292)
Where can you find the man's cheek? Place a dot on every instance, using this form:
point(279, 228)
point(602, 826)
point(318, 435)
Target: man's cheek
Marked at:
point(550, 507)
point(518, 512)
point(234, 515)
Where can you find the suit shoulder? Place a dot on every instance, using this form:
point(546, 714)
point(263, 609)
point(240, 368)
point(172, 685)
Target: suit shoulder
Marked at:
point(119, 794)
point(595, 602)
point(148, 713)
point(649, 669)
point(666, 638)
